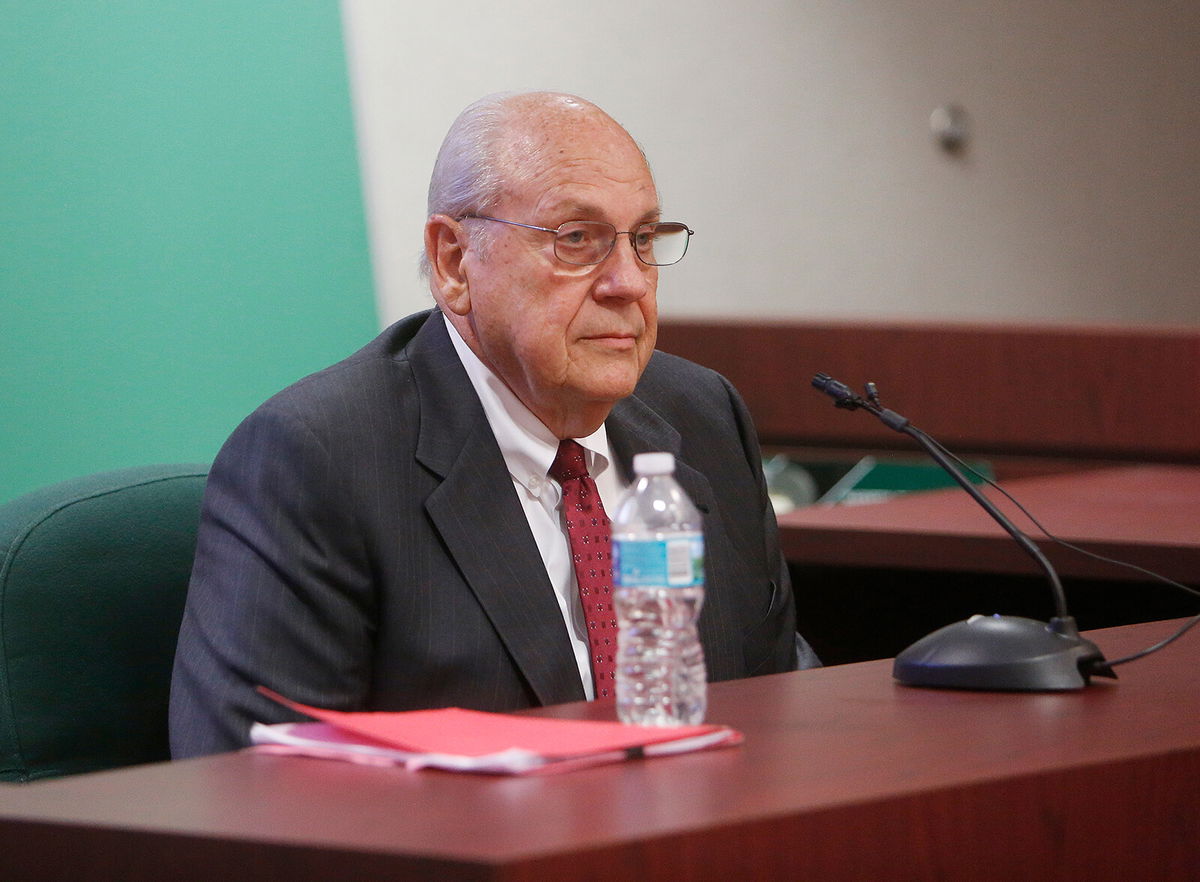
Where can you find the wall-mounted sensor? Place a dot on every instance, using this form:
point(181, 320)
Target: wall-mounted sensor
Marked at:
point(951, 126)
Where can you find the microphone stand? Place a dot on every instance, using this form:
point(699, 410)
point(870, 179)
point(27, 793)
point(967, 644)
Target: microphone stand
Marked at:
point(986, 652)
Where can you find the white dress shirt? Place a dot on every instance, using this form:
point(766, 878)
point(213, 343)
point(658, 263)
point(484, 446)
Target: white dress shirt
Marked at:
point(529, 449)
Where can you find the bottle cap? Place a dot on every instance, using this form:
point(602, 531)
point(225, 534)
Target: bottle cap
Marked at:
point(654, 463)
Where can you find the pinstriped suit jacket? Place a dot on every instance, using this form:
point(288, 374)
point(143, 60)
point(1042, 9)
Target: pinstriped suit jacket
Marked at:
point(361, 546)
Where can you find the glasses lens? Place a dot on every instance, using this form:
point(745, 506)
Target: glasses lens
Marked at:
point(584, 242)
point(661, 244)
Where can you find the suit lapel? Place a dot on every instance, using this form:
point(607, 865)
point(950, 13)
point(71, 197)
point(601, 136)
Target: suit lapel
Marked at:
point(481, 521)
point(634, 428)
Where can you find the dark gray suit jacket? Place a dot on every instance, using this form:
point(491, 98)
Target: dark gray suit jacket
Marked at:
point(361, 546)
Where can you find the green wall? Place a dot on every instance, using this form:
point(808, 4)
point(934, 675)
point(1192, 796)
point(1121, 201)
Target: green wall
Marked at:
point(181, 224)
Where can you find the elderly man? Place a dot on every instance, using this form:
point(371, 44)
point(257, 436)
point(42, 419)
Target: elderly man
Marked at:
point(387, 534)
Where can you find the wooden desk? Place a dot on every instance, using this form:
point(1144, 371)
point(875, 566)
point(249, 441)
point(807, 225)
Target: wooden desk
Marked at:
point(1148, 515)
point(844, 775)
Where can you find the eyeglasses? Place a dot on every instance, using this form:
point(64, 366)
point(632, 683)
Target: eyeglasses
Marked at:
point(585, 243)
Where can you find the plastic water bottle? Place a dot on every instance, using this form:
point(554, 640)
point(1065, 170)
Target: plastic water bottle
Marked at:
point(658, 576)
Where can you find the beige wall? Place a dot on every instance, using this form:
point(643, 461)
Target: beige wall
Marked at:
point(794, 137)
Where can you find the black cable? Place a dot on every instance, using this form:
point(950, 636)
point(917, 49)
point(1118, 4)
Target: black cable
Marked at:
point(1100, 557)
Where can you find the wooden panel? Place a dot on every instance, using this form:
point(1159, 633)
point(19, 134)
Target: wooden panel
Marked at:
point(1095, 392)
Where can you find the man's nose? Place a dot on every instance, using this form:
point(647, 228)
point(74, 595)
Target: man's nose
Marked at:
point(622, 274)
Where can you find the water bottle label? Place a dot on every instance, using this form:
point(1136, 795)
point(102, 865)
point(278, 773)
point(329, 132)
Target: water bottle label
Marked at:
point(677, 562)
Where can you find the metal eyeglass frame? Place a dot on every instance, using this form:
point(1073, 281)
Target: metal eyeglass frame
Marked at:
point(630, 233)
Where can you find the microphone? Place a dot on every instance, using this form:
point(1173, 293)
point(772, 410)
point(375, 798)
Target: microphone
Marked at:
point(997, 652)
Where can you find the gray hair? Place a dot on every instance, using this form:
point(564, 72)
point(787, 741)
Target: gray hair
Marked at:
point(470, 174)
point(480, 158)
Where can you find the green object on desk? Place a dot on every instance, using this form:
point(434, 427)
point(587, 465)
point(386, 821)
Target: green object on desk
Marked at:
point(873, 480)
point(93, 575)
point(795, 484)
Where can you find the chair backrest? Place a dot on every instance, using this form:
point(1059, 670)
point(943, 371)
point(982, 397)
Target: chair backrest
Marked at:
point(93, 575)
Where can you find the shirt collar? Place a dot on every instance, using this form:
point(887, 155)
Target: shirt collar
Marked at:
point(527, 446)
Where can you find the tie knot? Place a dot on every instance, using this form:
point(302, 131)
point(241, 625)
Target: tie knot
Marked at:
point(569, 463)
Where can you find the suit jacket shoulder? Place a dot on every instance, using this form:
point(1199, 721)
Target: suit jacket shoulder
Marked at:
point(347, 557)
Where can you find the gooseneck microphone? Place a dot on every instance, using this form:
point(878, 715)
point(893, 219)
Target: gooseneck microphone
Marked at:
point(994, 652)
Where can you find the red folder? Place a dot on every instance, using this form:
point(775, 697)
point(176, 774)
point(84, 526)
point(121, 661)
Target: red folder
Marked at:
point(467, 740)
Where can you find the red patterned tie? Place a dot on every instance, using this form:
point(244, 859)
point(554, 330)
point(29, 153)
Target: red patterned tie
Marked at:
point(590, 535)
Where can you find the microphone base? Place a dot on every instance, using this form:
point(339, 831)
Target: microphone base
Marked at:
point(1002, 653)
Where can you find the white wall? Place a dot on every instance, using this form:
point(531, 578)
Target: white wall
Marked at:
point(793, 136)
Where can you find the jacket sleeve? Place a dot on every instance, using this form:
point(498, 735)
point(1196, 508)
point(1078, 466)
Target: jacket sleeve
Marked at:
point(280, 593)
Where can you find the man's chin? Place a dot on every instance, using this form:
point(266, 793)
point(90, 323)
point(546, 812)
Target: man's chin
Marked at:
point(613, 376)
point(609, 392)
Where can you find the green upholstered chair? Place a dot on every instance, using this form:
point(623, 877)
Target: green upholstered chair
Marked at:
point(93, 574)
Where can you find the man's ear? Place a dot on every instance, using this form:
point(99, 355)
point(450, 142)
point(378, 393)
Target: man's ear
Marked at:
point(445, 247)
